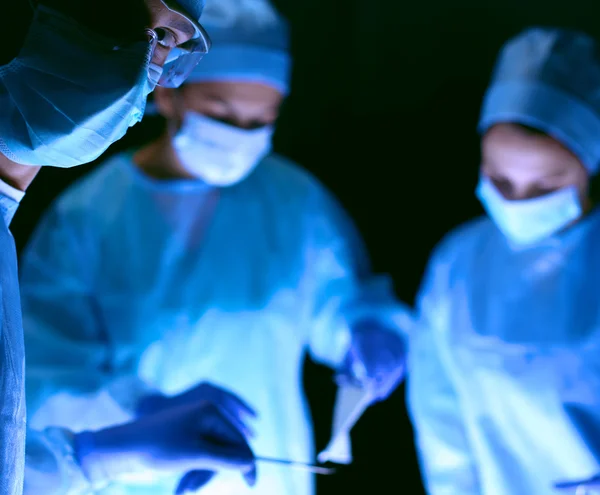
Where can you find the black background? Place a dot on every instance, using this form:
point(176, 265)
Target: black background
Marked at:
point(383, 110)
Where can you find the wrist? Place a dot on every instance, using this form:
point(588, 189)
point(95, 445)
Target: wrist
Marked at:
point(106, 455)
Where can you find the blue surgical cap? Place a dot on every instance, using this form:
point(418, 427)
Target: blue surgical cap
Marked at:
point(549, 79)
point(192, 7)
point(250, 43)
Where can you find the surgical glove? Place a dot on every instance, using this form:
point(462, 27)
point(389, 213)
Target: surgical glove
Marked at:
point(376, 359)
point(177, 440)
point(237, 409)
point(585, 487)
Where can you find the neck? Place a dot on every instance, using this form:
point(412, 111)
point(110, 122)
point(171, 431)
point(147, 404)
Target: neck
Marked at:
point(159, 160)
point(16, 175)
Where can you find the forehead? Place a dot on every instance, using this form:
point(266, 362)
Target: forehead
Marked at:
point(233, 91)
point(510, 148)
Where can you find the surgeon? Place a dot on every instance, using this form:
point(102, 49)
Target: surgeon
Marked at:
point(205, 257)
point(504, 380)
point(69, 87)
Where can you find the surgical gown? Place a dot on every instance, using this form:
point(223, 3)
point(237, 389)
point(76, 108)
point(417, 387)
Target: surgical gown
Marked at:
point(12, 366)
point(504, 368)
point(50, 468)
point(132, 284)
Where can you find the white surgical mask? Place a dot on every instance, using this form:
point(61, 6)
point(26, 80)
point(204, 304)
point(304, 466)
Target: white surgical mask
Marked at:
point(219, 154)
point(528, 221)
point(70, 93)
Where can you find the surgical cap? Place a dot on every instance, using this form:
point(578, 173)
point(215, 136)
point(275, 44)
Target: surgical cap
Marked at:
point(192, 7)
point(250, 44)
point(549, 79)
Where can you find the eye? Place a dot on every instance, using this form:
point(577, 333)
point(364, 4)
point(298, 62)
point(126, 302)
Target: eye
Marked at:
point(503, 185)
point(165, 37)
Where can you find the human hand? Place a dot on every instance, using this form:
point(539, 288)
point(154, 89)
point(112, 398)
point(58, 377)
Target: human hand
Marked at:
point(187, 438)
point(237, 409)
point(376, 359)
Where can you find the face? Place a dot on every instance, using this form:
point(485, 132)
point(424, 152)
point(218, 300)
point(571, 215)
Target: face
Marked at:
point(524, 165)
point(172, 29)
point(133, 17)
point(243, 105)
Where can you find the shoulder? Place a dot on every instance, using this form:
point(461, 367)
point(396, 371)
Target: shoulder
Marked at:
point(101, 188)
point(463, 241)
point(287, 179)
point(278, 167)
point(91, 202)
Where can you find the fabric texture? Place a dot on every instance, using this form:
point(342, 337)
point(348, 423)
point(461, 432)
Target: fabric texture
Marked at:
point(171, 283)
point(12, 364)
point(250, 44)
point(504, 377)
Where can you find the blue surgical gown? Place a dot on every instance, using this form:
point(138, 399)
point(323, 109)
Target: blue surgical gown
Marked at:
point(12, 365)
point(504, 367)
point(50, 468)
point(132, 284)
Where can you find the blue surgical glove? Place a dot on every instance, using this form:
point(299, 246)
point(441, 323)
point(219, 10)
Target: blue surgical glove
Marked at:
point(376, 359)
point(237, 410)
point(182, 439)
point(586, 487)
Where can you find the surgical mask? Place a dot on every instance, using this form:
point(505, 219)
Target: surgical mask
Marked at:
point(219, 154)
point(528, 221)
point(70, 93)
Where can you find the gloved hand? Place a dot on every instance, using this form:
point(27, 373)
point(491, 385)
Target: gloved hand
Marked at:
point(237, 409)
point(376, 359)
point(177, 440)
point(590, 486)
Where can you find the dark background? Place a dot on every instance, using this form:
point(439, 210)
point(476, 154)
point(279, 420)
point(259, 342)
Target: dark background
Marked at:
point(383, 110)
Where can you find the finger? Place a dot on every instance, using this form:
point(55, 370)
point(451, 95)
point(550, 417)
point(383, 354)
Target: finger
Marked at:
point(238, 404)
point(231, 457)
point(225, 425)
point(346, 374)
point(237, 421)
point(224, 396)
point(250, 476)
point(193, 481)
point(385, 386)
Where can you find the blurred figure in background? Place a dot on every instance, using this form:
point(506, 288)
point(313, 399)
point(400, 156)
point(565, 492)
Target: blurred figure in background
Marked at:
point(203, 256)
point(73, 79)
point(504, 385)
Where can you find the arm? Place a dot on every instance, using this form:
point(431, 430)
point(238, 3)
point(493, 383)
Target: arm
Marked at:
point(186, 439)
point(341, 286)
point(51, 467)
point(442, 441)
point(68, 353)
